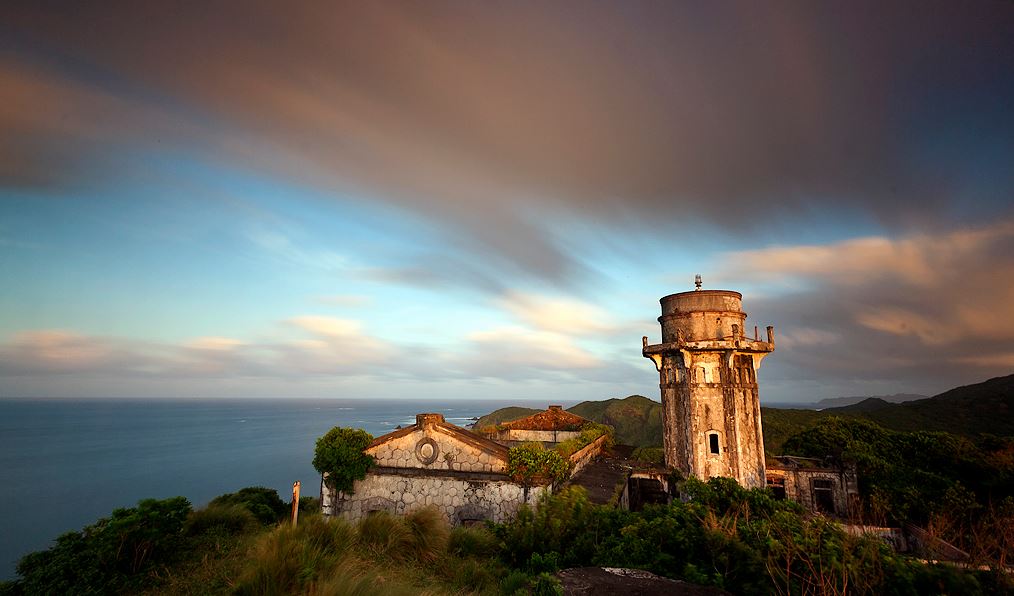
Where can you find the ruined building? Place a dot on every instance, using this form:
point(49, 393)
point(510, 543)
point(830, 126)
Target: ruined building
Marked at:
point(464, 474)
point(707, 365)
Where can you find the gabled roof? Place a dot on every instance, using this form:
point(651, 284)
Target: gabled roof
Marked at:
point(555, 418)
point(436, 423)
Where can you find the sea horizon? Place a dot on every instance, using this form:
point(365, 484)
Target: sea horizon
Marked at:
point(66, 462)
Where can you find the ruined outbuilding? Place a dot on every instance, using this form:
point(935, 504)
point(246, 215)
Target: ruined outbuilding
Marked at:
point(462, 473)
point(553, 425)
point(433, 462)
point(818, 485)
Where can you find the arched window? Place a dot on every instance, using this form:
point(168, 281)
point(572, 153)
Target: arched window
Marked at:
point(714, 446)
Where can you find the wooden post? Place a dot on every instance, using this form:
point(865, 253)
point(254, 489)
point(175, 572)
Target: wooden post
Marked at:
point(295, 502)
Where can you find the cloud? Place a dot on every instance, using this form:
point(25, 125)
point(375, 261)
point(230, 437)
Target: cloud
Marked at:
point(654, 114)
point(930, 311)
point(57, 351)
point(566, 316)
point(516, 353)
point(345, 300)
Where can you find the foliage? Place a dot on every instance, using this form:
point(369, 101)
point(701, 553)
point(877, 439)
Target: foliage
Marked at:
point(109, 555)
point(382, 554)
point(264, 503)
point(228, 519)
point(914, 476)
point(590, 432)
point(636, 420)
point(741, 540)
point(339, 457)
point(529, 462)
point(307, 505)
point(652, 455)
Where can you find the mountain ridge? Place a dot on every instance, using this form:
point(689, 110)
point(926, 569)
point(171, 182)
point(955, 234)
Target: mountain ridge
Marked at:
point(969, 410)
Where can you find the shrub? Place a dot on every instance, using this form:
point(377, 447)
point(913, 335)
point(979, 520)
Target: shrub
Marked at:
point(228, 519)
point(475, 541)
point(530, 461)
point(339, 457)
point(590, 432)
point(263, 502)
point(110, 554)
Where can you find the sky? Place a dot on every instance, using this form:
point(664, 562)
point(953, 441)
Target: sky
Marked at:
point(487, 199)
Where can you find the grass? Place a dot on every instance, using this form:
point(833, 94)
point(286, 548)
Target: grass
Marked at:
point(382, 554)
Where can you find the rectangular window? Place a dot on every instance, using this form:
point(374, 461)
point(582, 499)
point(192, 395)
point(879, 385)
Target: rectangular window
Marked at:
point(823, 495)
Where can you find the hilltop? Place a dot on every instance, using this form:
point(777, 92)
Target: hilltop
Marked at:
point(840, 402)
point(636, 419)
point(970, 410)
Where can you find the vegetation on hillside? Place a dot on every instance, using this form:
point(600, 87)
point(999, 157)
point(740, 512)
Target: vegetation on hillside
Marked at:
point(741, 540)
point(959, 487)
point(986, 407)
point(636, 419)
point(504, 415)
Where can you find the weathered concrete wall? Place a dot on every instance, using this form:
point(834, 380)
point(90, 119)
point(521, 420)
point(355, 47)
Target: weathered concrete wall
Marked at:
point(459, 497)
point(799, 487)
point(587, 454)
point(541, 436)
point(707, 377)
point(701, 315)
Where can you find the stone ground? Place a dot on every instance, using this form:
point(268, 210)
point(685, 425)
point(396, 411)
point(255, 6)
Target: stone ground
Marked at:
point(583, 581)
point(601, 477)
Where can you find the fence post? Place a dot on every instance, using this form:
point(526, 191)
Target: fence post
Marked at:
point(295, 502)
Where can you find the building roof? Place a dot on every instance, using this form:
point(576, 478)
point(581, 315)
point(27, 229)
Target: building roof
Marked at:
point(436, 423)
point(554, 418)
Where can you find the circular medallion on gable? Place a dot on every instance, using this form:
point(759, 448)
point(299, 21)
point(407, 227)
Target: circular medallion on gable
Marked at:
point(426, 450)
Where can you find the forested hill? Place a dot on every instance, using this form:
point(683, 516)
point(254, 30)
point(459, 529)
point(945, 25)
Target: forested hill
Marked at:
point(637, 419)
point(986, 407)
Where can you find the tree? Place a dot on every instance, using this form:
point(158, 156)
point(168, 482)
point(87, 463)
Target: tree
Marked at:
point(340, 457)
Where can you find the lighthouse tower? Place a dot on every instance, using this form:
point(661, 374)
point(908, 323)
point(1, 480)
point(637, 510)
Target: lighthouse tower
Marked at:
point(707, 365)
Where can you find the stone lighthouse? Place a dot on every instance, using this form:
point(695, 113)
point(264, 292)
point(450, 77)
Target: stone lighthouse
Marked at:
point(707, 365)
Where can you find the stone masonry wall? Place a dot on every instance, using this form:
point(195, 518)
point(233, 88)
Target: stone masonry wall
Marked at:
point(492, 497)
point(447, 453)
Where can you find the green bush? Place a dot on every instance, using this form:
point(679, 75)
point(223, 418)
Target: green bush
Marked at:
point(528, 462)
point(228, 519)
point(475, 541)
point(590, 432)
point(110, 555)
point(339, 457)
point(264, 503)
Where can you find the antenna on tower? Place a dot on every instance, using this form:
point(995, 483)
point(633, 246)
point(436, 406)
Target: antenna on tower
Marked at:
point(697, 281)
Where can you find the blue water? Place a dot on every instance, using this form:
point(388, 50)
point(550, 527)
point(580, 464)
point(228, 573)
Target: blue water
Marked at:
point(66, 463)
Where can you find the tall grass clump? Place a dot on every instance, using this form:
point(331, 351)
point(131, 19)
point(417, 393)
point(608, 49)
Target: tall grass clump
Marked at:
point(352, 578)
point(383, 535)
point(475, 541)
point(428, 534)
point(290, 559)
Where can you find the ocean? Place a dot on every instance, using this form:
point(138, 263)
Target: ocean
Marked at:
point(65, 463)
